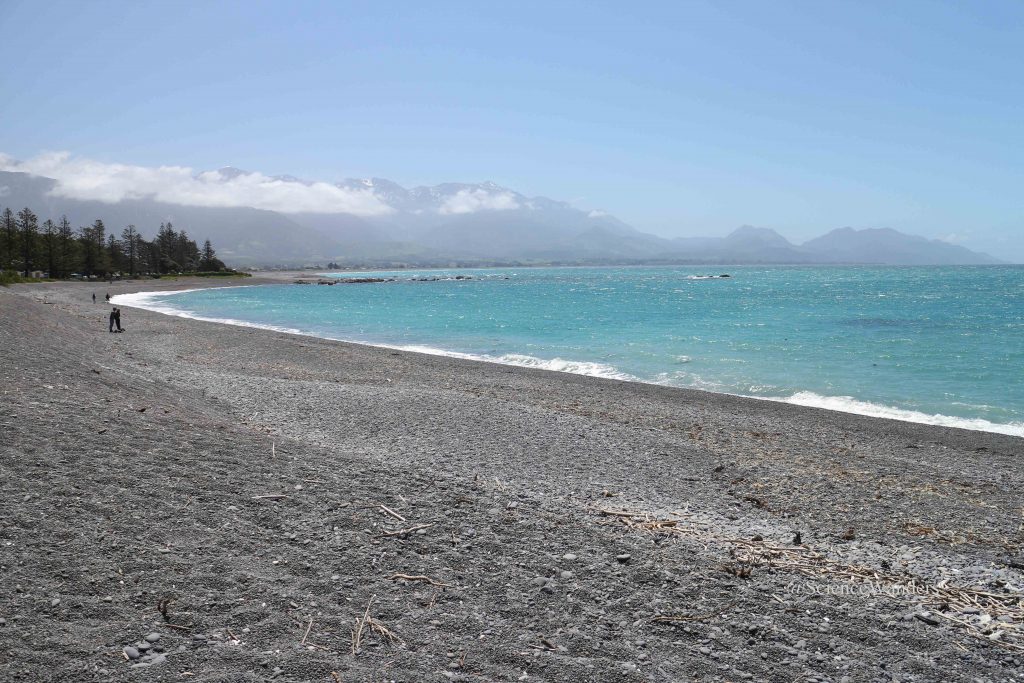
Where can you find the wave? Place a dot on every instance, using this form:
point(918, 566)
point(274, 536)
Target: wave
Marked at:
point(848, 404)
point(844, 404)
point(576, 367)
point(150, 301)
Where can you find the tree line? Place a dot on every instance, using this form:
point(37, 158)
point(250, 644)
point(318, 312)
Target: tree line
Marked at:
point(60, 251)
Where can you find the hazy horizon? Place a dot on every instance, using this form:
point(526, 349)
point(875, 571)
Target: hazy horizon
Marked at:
point(681, 121)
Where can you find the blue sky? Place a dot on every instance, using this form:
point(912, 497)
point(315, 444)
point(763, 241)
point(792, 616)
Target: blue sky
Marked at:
point(681, 118)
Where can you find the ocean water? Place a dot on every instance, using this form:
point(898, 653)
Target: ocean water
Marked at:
point(935, 345)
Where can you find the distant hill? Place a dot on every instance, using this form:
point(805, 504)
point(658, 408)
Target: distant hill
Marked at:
point(463, 223)
point(888, 246)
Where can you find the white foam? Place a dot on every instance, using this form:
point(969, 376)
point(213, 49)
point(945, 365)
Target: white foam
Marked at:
point(576, 367)
point(848, 404)
point(151, 301)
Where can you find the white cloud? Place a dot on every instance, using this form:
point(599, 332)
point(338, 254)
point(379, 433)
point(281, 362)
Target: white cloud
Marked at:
point(471, 201)
point(954, 238)
point(597, 213)
point(80, 178)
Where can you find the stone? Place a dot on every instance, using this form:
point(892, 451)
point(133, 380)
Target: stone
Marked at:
point(624, 558)
point(54, 602)
point(568, 557)
point(152, 637)
point(131, 653)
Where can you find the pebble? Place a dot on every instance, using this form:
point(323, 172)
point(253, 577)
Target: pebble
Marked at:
point(624, 558)
point(567, 575)
point(108, 599)
point(3, 622)
point(569, 557)
point(152, 637)
point(131, 653)
point(54, 602)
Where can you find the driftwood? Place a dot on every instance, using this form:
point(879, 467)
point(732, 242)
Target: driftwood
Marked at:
point(942, 597)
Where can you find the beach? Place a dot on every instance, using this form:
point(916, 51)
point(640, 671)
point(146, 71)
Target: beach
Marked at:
point(269, 506)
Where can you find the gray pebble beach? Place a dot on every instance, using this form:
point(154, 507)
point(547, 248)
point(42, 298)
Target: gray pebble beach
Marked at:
point(193, 501)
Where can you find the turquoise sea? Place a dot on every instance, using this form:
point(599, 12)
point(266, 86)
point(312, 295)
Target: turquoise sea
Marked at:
point(941, 345)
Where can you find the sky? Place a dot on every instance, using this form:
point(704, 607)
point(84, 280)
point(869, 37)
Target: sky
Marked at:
point(680, 118)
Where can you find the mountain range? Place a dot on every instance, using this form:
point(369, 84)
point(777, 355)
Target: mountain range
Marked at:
point(459, 224)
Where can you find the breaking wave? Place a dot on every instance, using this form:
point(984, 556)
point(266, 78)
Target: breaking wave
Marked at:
point(848, 404)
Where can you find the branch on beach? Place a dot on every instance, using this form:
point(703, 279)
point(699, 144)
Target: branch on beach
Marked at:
point(394, 514)
point(367, 623)
point(405, 532)
point(418, 577)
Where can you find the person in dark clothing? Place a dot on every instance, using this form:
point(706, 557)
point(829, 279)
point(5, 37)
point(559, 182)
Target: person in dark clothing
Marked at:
point(108, 297)
point(94, 297)
point(117, 319)
point(112, 316)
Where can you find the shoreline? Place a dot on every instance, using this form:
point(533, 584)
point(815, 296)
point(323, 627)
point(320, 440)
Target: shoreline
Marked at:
point(498, 520)
point(841, 404)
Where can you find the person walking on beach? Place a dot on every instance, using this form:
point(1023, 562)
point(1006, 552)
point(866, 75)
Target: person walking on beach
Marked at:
point(117, 319)
point(94, 297)
point(108, 297)
point(112, 316)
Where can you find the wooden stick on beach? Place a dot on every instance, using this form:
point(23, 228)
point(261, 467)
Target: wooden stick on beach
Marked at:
point(394, 514)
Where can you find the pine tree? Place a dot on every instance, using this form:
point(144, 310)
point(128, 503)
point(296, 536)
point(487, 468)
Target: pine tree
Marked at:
point(66, 249)
point(99, 235)
point(130, 241)
point(87, 243)
point(50, 247)
point(10, 238)
point(115, 254)
point(209, 260)
point(166, 243)
point(186, 253)
point(28, 229)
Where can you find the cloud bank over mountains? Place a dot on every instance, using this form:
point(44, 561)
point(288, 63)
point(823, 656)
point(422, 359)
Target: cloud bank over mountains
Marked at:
point(90, 180)
point(478, 199)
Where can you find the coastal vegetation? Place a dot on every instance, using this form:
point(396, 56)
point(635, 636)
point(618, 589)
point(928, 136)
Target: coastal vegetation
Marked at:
point(53, 249)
